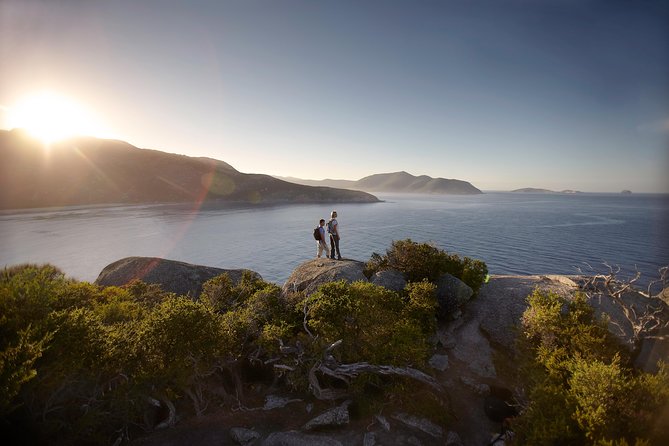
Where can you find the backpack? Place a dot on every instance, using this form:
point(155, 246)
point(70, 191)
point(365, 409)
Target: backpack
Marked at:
point(330, 227)
point(317, 233)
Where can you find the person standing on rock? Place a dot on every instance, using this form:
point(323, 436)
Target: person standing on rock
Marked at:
point(333, 230)
point(322, 244)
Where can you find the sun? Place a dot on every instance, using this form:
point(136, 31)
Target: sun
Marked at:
point(51, 117)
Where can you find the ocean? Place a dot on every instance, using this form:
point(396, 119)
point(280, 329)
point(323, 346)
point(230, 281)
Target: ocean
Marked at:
point(514, 233)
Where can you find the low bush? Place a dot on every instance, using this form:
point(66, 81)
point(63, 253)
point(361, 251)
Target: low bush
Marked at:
point(581, 386)
point(84, 364)
point(79, 363)
point(422, 261)
point(375, 324)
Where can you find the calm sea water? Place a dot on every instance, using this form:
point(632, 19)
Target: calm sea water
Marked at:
point(512, 233)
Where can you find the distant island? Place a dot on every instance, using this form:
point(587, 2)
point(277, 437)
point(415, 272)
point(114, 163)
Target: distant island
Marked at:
point(86, 170)
point(533, 190)
point(626, 192)
point(397, 182)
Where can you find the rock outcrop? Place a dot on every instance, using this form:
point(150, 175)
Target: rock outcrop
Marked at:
point(313, 273)
point(501, 303)
point(175, 277)
point(481, 348)
point(391, 279)
point(452, 293)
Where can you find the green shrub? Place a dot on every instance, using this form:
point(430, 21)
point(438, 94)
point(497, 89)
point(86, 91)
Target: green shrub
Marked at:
point(65, 393)
point(178, 340)
point(474, 273)
point(220, 294)
point(253, 311)
point(375, 324)
point(597, 389)
point(28, 295)
point(146, 294)
point(422, 261)
point(118, 306)
point(581, 388)
point(420, 306)
point(17, 367)
point(418, 261)
point(81, 361)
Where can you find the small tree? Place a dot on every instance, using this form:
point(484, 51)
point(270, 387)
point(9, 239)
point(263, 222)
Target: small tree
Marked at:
point(180, 344)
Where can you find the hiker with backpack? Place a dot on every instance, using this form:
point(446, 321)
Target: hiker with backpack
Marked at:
point(319, 235)
point(333, 230)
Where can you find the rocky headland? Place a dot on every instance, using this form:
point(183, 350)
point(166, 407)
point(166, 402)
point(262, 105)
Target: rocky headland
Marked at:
point(86, 170)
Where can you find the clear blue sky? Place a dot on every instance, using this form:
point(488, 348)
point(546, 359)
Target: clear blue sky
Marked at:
point(505, 94)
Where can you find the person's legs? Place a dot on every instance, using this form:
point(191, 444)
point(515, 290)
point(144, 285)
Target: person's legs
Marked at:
point(332, 246)
point(336, 242)
point(322, 248)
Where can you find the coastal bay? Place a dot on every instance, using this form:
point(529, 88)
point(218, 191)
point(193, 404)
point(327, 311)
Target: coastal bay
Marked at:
point(512, 233)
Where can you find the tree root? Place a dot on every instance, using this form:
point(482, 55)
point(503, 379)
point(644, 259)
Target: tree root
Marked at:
point(347, 372)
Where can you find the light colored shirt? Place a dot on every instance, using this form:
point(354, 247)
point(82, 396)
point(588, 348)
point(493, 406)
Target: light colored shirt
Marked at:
point(335, 226)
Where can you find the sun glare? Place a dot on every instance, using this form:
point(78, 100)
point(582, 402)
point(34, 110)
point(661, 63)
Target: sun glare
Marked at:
point(52, 117)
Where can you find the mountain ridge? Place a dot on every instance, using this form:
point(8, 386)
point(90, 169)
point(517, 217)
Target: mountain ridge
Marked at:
point(87, 170)
point(397, 182)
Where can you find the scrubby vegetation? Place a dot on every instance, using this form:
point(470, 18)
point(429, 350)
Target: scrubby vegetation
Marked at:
point(374, 324)
point(581, 386)
point(422, 261)
point(83, 364)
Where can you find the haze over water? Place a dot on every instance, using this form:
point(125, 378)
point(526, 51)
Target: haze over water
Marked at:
point(512, 233)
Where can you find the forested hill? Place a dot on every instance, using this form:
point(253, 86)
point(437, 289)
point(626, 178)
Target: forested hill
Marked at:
point(400, 182)
point(87, 170)
point(405, 182)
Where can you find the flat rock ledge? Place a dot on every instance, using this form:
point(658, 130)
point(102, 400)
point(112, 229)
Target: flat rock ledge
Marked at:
point(172, 276)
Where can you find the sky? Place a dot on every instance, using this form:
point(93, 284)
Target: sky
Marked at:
point(556, 94)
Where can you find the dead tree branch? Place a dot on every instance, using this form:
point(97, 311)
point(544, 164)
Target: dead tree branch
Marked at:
point(348, 372)
point(643, 310)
